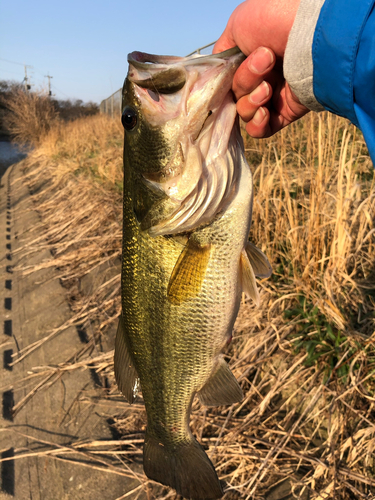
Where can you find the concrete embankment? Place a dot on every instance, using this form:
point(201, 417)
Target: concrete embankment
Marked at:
point(32, 307)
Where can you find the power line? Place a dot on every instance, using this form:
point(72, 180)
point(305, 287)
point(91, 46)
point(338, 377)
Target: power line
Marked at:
point(60, 92)
point(27, 78)
point(7, 71)
point(13, 62)
point(38, 71)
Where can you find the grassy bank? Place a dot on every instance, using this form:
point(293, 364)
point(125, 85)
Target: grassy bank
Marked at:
point(305, 358)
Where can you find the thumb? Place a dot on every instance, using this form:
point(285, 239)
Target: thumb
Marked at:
point(224, 42)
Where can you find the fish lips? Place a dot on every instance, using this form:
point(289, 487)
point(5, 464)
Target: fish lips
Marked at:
point(167, 74)
point(143, 60)
point(195, 86)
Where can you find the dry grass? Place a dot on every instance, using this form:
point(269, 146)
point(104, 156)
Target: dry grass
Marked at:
point(29, 116)
point(314, 215)
point(305, 358)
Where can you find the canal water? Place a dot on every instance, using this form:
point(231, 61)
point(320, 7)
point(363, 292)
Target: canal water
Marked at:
point(9, 153)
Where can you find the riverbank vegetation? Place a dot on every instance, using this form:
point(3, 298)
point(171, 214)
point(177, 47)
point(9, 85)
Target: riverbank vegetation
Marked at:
point(26, 116)
point(305, 358)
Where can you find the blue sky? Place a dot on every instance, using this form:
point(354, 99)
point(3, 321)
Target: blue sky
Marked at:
point(83, 44)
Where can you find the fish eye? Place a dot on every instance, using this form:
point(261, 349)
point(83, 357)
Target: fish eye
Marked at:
point(129, 118)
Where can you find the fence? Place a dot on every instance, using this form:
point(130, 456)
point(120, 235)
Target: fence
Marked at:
point(112, 105)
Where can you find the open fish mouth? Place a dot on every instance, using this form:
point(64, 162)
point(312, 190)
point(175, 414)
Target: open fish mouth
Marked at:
point(142, 60)
point(190, 100)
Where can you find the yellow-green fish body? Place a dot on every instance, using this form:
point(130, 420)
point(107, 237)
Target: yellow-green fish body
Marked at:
point(184, 268)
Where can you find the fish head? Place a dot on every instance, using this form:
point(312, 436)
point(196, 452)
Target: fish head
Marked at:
point(149, 118)
point(178, 113)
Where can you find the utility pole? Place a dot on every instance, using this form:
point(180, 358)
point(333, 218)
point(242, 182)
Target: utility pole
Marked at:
point(26, 79)
point(49, 84)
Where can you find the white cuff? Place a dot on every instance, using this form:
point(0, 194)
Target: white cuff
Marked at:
point(298, 61)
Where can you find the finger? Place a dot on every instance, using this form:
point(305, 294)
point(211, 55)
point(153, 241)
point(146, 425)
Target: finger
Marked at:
point(259, 126)
point(226, 40)
point(249, 104)
point(278, 121)
point(223, 43)
point(253, 71)
point(288, 105)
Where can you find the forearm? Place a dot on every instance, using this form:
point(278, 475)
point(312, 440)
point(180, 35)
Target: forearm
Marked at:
point(330, 60)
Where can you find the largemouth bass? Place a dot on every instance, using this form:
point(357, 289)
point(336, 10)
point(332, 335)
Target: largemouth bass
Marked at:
point(186, 258)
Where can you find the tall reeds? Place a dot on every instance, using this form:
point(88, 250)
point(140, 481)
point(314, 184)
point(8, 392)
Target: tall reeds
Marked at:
point(305, 359)
point(28, 116)
point(314, 212)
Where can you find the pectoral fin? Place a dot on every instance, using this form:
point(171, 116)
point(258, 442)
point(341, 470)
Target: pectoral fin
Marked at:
point(249, 285)
point(221, 388)
point(189, 272)
point(259, 262)
point(125, 373)
point(158, 212)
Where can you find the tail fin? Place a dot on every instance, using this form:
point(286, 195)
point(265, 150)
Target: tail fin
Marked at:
point(185, 468)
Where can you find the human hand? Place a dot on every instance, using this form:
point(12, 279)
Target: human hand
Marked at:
point(260, 28)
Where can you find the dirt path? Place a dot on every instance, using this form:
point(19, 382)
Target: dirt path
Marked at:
point(32, 307)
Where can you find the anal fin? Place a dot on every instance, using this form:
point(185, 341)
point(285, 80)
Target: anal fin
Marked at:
point(189, 272)
point(125, 372)
point(221, 388)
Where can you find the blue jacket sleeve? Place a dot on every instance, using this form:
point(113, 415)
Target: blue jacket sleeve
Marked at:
point(343, 55)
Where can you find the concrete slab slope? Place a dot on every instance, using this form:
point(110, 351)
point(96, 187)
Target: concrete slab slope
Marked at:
point(31, 306)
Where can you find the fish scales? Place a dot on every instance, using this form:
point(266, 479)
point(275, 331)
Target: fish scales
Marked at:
point(182, 270)
point(184, 336)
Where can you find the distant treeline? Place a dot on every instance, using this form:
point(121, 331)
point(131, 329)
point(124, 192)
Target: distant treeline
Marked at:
point(67, 110)
point(70, 110)
point(27, 116)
